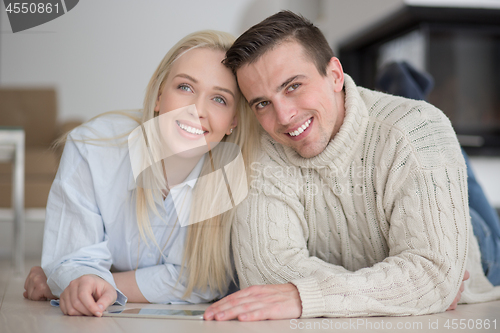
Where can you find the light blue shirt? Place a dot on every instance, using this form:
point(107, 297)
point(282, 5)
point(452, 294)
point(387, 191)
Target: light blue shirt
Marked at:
point(91, 220)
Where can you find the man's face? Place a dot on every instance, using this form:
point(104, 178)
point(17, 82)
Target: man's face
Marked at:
point(293, 102)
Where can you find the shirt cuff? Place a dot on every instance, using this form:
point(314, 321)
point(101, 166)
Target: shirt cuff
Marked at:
point(121, 299)
point(60, 280)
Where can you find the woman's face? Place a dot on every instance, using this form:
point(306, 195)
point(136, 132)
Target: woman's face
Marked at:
point(197, 102)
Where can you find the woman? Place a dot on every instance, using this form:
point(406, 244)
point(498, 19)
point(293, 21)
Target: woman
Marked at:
point(126, 194)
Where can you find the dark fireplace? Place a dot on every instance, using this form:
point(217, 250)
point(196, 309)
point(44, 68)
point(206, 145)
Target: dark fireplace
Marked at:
point(459, 47)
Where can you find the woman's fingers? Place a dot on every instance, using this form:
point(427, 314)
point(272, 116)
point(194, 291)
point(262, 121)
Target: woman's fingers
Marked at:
point(77, 295)
point(106, 297)
point(79, 298)
point(36, 285)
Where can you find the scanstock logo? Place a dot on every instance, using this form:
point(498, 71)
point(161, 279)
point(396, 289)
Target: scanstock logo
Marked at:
point(28, 14)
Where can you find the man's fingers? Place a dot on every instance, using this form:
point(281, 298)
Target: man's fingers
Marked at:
point(237, 295)
point(260, 314)
point(230, 302)
point(244, 307)
point(466, 275)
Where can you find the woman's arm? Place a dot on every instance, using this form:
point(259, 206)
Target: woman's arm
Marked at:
point(126, 283)
point(75, 238)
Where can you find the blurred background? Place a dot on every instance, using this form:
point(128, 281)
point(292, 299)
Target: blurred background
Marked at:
point(100, 55)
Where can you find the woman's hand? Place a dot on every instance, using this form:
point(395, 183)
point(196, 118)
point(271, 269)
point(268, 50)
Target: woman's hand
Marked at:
point(36, 287)
point(89, 295)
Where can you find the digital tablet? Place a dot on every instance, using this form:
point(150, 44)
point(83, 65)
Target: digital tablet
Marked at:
point(155, 313)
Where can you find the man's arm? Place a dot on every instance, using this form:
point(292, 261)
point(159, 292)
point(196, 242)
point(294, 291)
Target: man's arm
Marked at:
point(422, 275)
point(276, 301)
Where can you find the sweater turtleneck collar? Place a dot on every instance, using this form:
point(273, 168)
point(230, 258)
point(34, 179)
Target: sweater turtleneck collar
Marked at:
point(339, 150)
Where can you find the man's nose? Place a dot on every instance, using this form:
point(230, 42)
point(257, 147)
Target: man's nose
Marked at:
point(285, 110)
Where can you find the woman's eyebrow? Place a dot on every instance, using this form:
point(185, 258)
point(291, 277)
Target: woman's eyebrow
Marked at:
point(196, 81)
point(187, 77)
point(225, 90)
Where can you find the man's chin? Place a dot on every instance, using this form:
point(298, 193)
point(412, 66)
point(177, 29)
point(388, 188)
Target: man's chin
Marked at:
point(308, 152)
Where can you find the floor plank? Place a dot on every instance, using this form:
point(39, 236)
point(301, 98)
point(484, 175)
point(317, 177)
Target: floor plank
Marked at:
point(19, 315)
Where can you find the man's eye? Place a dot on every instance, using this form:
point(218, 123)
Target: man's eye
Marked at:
point(293, 87)
point(185, 87)
point(220, 100)
point(262, 104)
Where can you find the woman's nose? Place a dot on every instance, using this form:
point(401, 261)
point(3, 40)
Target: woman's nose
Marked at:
point(201, 108)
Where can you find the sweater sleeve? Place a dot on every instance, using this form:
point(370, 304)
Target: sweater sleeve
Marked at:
point(427, 217)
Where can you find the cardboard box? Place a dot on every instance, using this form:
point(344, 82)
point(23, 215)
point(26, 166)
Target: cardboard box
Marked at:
point(36, 111)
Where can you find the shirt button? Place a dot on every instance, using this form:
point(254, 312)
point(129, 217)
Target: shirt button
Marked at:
point(150, 255)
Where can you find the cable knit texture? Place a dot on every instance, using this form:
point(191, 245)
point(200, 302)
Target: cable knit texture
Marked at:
point(376, 224)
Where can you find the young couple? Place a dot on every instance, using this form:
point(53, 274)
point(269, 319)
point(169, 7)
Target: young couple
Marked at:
point(314, 237)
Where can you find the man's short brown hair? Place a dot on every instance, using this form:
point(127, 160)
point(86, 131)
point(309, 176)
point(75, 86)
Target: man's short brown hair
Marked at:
point(280, 27)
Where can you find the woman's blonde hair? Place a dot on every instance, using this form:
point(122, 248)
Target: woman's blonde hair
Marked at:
point(207, 258)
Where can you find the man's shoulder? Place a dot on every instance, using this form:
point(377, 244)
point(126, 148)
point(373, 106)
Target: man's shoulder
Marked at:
point(272, 157)
point(423, 126)
point(398, 110)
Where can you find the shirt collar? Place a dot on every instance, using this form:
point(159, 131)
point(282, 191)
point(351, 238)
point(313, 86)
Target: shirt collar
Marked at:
point(193, 175)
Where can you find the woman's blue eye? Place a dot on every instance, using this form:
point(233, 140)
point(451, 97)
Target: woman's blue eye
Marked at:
point(185, 87)
point(293, 87)
point(262, 104)
point(220, 100)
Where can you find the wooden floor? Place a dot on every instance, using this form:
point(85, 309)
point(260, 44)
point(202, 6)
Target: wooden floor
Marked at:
point(20, 315)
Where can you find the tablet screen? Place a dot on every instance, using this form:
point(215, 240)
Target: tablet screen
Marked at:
point(155, 313)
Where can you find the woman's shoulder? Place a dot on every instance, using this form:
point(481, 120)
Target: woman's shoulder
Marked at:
point(111, 127)
point(102, 145)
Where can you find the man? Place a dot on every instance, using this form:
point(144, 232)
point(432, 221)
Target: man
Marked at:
point(359, 203)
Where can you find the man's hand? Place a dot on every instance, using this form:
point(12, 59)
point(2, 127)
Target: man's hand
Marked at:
point(89, 295)
point(280, 301)
point(36, 287)
point(453, 305)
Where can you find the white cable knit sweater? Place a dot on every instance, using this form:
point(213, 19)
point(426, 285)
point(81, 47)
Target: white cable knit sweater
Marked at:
point(376, 224)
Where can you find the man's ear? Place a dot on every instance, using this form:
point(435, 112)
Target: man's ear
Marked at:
point(336, 73)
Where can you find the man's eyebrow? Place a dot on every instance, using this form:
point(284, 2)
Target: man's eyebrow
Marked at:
point(255, 100)
point(280, 87)
point(287, 82)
